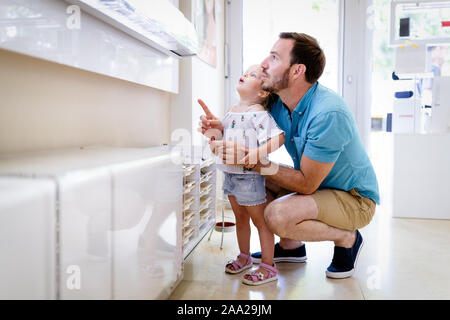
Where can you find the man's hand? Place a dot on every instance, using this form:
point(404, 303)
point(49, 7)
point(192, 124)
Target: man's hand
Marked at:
point(232, 153)
point(213, 145)
point(252, 158)
point(210, 126)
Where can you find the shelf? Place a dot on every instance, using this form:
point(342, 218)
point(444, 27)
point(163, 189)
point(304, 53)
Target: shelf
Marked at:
point(188, 214)
point(206, 163)
point(189, 218)
point(205, 190)
point(206, 176)
point(156, 23)
point(205, 212)
point(186, 242)
point(188, 231)
point(205, 215)
point(188, 170)
point(189, 186)
point(188, 203)
point(205, 203)
point(43, 29)
point(199, 183)
point(192, 243)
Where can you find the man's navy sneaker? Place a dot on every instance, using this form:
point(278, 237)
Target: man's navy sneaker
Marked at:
point(284, 255)
point(344, 260)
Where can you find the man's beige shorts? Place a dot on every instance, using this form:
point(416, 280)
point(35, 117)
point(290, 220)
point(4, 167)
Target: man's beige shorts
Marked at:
point(342, 209)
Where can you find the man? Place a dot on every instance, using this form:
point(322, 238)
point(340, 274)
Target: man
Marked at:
point(334, 184)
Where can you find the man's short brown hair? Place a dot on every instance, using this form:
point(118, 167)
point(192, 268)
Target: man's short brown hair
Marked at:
point(306, 50)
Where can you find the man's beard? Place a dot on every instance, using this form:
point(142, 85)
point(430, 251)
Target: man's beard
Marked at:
point(278, 85)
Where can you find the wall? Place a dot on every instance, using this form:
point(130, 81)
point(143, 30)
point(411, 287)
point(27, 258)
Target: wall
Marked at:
point(199, 80)
point(45, 105)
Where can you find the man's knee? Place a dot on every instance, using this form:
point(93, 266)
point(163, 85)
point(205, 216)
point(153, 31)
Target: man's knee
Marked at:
point(284, 213)
point(274, 217)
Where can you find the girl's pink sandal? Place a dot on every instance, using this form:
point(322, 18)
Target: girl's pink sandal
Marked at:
point(257, 278)
point(238, 267)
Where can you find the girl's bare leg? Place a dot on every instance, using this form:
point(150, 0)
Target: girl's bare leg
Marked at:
point(266, 237)
point(242, 228)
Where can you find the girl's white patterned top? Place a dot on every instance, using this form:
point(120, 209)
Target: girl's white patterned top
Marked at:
point(251, 128)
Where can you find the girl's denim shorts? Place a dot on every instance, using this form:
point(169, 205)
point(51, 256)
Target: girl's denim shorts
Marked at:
point(248, 189)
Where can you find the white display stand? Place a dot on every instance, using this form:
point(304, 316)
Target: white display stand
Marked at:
point(27, 239)
point(157, 23)
point(44, 29)
point(199, 200)
point(113, 217)
point(421, 176)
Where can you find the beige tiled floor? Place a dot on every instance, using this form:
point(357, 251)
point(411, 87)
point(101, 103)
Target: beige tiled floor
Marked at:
point(401, 259)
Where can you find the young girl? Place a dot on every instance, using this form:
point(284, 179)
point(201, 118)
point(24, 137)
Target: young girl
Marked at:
point(250, 124)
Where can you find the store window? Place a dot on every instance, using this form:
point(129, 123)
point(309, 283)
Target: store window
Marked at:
point(407, 23)
point(264, 20)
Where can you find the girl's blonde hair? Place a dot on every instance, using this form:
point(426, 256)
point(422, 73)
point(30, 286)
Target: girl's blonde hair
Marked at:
point(269, 101)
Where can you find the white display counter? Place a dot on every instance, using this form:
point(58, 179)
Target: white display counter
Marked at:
point(92, 223)
point(421, 176)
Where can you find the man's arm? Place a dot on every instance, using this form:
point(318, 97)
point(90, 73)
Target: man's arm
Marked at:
point(304, 181)
point(255, 155)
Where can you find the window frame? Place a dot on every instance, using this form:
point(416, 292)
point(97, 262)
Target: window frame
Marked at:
point(354, 79)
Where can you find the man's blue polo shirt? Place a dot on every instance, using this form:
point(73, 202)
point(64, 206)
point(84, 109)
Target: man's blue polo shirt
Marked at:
point(322, 127)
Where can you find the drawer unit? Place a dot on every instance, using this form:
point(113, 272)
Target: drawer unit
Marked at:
point(199, 201)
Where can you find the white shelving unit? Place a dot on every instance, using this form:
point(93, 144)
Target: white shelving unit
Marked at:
point(43, 29)
point(114, 214)
point(199, 202)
